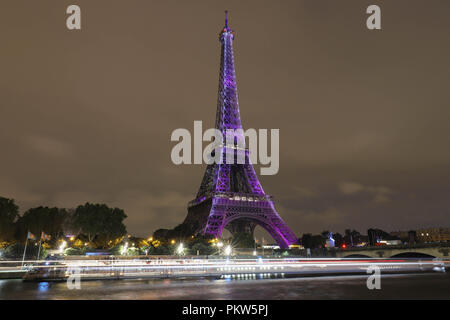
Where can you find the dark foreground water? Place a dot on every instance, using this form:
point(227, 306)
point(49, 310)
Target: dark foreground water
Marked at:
point(417, 286)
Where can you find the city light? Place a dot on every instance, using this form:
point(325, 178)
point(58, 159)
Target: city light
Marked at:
point(62, 246)
point(222, 267)
point(220, 244)
point(180, 249)
point(228, 250)
point(124, 248)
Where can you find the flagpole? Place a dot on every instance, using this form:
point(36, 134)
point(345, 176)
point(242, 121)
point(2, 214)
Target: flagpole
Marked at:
point(39, 250)
point(25, 250)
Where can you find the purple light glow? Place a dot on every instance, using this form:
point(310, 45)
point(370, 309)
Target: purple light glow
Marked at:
point(227, 205)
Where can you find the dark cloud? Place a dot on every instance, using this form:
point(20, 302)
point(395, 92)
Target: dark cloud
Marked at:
point(363, 115)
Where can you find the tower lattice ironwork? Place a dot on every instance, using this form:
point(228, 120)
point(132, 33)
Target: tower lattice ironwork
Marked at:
point(230, 195)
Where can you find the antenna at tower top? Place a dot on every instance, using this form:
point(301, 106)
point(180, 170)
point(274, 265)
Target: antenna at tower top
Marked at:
point(226, 19)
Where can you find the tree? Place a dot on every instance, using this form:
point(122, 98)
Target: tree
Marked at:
point(312, 242)
point(202, 249)
point(9, 212)
point(338, 240)
point(162, 249)
point(243, 240)
point(74, 251)
point(162, 234)
point(99, 223)
point(352, 237)
point(325, 234)
point(42, 219)
point(181, 232)
point(356, 237)
point(318, 241)
point(202, 244)
point(306, 240)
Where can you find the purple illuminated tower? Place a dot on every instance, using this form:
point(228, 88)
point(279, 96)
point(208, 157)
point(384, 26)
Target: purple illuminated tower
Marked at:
point(230, 195)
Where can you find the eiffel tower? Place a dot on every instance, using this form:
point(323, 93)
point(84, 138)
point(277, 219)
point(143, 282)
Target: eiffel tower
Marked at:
point(230, 195)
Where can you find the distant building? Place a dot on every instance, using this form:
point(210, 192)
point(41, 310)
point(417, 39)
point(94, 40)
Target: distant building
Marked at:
point(433, 235)
point(424, 235)
point(380, 237)
point(403, 235)
point(412, 237)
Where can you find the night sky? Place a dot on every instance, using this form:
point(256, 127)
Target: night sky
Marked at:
point(363, 115)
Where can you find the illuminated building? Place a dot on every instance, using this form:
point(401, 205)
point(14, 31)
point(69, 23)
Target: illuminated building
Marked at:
point(230, 195)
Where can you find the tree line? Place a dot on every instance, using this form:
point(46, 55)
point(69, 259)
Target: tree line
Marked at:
point(97, 224)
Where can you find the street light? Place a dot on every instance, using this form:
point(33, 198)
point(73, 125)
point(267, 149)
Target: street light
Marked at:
point(228, 250)
point(180, 249)
point(62, 246)
point(124, 248)
point(219, 245)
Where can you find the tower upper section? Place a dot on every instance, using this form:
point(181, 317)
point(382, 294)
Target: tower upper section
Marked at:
point(228, 116)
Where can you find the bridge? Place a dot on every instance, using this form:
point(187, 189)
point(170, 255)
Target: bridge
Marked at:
point(396, 252)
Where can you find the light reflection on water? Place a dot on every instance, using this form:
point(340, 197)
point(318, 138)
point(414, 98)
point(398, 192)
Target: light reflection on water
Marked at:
point(344, 287)
point(43, 286)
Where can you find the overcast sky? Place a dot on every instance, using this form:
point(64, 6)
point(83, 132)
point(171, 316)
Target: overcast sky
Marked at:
point(363, 115)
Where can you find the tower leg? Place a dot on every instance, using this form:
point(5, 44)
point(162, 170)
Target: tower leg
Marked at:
point(241, 215)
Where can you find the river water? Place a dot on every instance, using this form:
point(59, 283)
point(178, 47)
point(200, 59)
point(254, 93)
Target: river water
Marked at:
point(410, 286)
